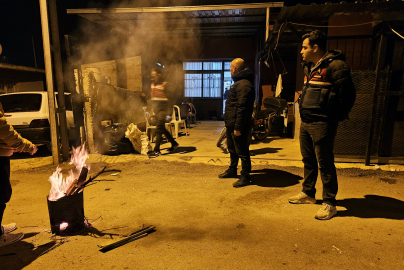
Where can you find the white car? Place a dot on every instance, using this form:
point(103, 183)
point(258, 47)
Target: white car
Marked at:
point(28, 113)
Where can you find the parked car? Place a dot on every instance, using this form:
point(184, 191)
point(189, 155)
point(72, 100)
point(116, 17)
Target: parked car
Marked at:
point(28, 113)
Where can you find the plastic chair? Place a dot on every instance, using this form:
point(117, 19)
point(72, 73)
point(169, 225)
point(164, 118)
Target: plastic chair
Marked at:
point(177, 121)
point(192, 113)
point(185, 110)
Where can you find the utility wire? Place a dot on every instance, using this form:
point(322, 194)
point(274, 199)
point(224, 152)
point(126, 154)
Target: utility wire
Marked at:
point(352, 25)
point(395, 32)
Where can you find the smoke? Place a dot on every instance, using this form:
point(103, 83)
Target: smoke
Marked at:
point(155, 37)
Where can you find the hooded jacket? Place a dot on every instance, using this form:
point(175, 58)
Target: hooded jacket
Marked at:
point(328, 92)
point(10, 140)
point(240, 101)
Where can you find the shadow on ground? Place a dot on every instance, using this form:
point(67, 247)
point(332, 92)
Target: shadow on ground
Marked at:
point(183, 150)
point(372, 206)
point(273, 178)
point(18, 255)
point(265, 150)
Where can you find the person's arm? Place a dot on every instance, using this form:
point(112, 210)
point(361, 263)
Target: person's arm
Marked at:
point(13, 139)
point(340, 77)
point(245, 100)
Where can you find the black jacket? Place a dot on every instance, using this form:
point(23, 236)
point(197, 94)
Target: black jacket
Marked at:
point(328, 92)
point(240, 101)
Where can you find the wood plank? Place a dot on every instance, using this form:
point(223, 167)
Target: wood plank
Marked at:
point(332, 44)
point(342, 45)
point(349, 51)
point(367, 43)
point(398, 55)
point(357, 54)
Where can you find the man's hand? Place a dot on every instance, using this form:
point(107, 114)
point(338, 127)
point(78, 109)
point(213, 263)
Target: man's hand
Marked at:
point(33, 150)
point(237, 133)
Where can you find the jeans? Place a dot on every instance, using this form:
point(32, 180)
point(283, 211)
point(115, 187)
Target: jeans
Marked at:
point(160, 109)
point(316, 146)
point(5, 185)
point(238, 147)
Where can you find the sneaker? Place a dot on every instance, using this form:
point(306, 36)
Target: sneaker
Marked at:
point(6, 229)
point(173, 148)
point(7, 239)
point(230, 173)
point(302, 198)
point(154, 154)
point(241, 182)
point(326, 212)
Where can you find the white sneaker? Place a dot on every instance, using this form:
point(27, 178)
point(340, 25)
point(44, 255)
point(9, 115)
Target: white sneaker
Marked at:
point(302, 198)
point(6, 229)
point(326, 212)
point(7, 239)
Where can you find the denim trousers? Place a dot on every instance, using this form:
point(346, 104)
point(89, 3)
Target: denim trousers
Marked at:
point(5, 185)
point(317, 148)
point(238, 147)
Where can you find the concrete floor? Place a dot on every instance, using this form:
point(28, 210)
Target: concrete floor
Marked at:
point(203, 222)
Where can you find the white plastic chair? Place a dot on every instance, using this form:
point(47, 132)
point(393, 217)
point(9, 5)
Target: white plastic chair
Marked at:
point(178, 123)
point(151, 130)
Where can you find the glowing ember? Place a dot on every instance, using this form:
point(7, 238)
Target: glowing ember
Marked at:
point(63, 226)
point(60, 185)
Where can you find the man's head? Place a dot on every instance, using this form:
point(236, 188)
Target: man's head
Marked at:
point(313, 46)
point(236, 66)
point(155, 75)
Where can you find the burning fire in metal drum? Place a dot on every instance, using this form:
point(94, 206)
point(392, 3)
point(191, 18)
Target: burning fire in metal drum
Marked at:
point(70, 185)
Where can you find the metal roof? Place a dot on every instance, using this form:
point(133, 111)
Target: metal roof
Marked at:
point(206, 21)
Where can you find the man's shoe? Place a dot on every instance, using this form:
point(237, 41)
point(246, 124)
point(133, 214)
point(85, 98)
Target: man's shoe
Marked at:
point(7, 239)
point(154, 154)
point(6, 229)
point(326, 212)
point(228, 174)
point(302, 198)
point(241, 182)
point(173, 148)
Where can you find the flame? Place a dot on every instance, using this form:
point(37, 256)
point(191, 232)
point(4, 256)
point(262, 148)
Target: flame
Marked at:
point(60, 185)
point(63, 226)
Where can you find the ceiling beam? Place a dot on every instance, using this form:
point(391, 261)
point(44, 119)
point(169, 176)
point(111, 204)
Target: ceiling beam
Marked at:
point(175, 8)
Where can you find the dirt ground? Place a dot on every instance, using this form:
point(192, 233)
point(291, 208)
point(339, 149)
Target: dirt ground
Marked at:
point(202, 222)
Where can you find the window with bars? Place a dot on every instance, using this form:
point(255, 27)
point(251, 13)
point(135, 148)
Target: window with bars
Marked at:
point(206, 79)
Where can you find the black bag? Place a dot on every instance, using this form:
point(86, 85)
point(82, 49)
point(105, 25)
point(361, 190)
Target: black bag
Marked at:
point(276, 104)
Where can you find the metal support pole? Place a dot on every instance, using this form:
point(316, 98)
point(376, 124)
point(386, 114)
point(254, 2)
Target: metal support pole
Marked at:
point(64, 136)
point(49, 81)
point(267, 24)
point(380, 58)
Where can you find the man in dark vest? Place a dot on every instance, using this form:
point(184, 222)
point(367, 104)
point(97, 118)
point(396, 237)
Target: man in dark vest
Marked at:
point(327, 97)
point(237, 118)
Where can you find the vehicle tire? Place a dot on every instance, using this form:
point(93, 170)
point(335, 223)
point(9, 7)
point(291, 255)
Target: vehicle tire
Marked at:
point(222, 136)
point(261, 131)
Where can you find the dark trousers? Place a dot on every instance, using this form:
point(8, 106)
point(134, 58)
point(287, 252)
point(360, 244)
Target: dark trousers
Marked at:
point(161, 109)
point(238, 147)
point(316, 146)
point(5, 185)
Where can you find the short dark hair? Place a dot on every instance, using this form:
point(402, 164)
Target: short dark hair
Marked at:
point(318, 38)
point(157, 70)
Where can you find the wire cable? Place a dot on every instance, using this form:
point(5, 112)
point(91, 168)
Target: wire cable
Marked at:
point(395, 32)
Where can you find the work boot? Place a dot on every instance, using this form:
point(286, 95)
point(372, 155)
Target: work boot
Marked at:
point(173, 148)
point(230, 173)
point(242, 182)
point(6, 229)
point(302, 198)
point(326, 212)
point(7, 239)
point(154, 154)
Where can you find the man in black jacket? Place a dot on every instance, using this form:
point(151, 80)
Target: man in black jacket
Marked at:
point(327, 97)
point(237, 118)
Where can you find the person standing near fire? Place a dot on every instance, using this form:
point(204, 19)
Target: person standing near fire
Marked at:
point(10, 142)
point(328, 96)
point(237, 119)
point(161, 95)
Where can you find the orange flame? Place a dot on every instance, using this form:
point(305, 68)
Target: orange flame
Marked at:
point(60, 185)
